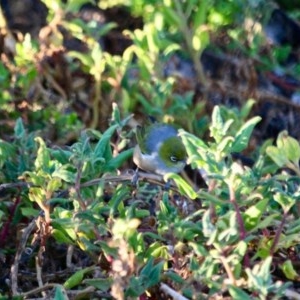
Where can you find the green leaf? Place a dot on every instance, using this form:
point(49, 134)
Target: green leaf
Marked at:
point(147, 268)
point(241, 248)
point(242, 137)
point(201, 13)
point(104, 143)
point(278, 156)
point(280, 142)
point(7, 150)
point(59, 201)
point(247, 107)
point(135, 288)
point(259, 277)
point(265, 222)
point(238, 294)
point(209, 229)
point(150, 274)
point(119, 195)
point(64, 175)
point(193, 144)
point(175, 277)
point(200, 38)
point(225, 144)
point(61, 237)
point(19, 129)
point(63, 156)
point(264, 270)
point(253, 214)
point(85, 59)
point(287, 150)
point(286, 201)
point(74, 280)
point(29, 212)
point(289, 271)
point(60, 293)
point(42, 161)
point(34, 178)
point(106, 28)
point(171, 16)
point(116, 162)
point(291, 148)
point(37, 194)
point(183, 186)
point(155, 274)
point(116, 116)
point(102, 284)
point(217, 124)
point(158, 250)
point(53, 185)
point(287, 241)
point(77, 278)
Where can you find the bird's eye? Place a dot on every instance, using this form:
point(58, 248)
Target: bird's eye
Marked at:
point(173, 158)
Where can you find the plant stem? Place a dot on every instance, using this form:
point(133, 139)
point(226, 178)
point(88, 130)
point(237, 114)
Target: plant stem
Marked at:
point(78, 186)
point(228, 270)
point(189, 43)
point(277, 234)
point(240, 221)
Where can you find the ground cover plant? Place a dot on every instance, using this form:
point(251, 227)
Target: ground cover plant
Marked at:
point(76, 78)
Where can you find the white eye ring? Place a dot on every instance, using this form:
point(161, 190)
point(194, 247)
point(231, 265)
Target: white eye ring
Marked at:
point(173, 158)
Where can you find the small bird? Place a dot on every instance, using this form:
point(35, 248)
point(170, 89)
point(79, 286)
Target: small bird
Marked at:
point(159, 149)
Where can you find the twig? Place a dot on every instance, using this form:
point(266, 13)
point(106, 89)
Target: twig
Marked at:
point(228, 270)
point(169, 291)
point(39, 275)
point(41, 289)
point(151, 178)
point(277, 234)
point(291, 294)
point(21, 184)
point(15, 266)
point(212, 208)
point(70, 252)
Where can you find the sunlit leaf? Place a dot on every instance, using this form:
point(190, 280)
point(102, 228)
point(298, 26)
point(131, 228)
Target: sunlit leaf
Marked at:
point(277, 155)
point(253, 214)
point(285, 201)
point(183, 186)
point(43, 156)
point(242, 137)
point(76, 278)
point(289, 270)
point(65, 175)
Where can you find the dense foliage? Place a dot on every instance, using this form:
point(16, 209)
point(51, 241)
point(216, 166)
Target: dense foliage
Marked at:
point(72, 223)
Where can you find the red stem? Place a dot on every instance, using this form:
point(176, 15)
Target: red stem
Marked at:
point(240, 221)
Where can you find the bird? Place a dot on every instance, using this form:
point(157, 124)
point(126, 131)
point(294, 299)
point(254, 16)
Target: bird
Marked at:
point(159, 149)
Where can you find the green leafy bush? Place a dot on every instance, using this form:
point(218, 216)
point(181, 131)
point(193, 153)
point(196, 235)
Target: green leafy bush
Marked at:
point(233, 233)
